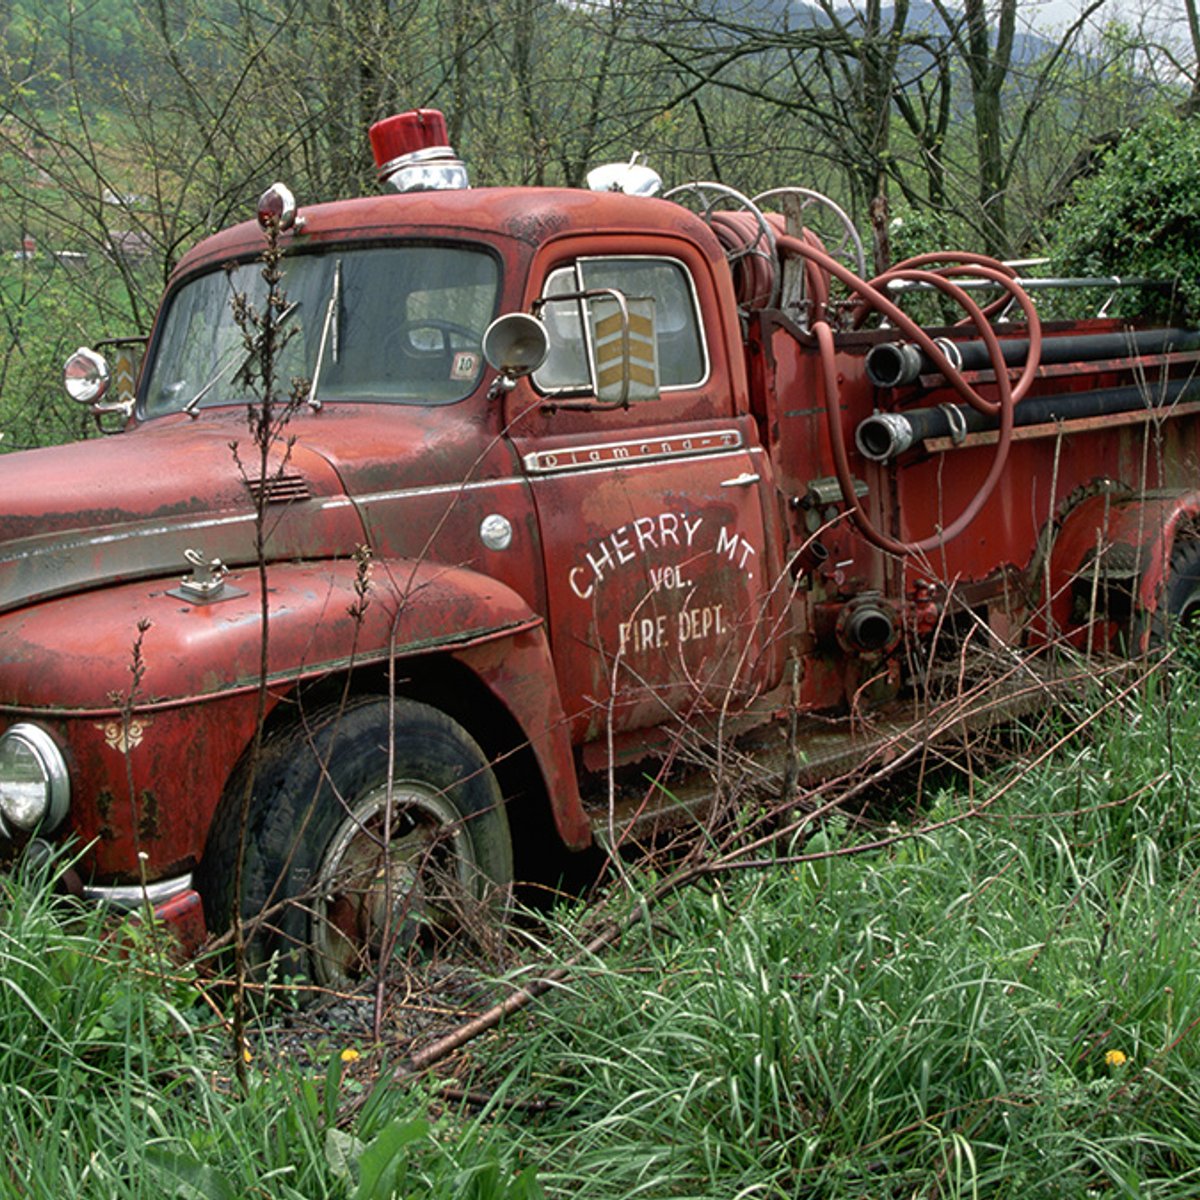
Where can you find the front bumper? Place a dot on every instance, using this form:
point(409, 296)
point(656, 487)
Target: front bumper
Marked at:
point(174, 902)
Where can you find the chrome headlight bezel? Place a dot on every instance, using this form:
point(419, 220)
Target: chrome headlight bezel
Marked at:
point(25, 810)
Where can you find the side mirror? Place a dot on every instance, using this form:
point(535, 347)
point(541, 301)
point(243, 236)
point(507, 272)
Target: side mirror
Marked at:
point(88, 379)
point(86, 376)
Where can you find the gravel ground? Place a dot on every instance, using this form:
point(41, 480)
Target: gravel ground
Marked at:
point(419, 1006)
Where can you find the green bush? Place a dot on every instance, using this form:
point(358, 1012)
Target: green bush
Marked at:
point(1139, 215)
point(926, 230)
point(46, 312)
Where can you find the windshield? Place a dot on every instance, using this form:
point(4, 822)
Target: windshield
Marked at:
point(385, 323)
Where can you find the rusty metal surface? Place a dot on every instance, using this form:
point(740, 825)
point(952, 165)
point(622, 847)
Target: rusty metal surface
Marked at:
point(1110, 560)
point(515, 671)
point(531, 217)
point(84, 644)
point(147, 782)
point(925, 488)
point(127, 508)
point(660, 580)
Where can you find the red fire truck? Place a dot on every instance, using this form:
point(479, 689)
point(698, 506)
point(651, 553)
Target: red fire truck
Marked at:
point(570, 476)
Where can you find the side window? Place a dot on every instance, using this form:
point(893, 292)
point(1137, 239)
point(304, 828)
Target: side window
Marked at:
point(570, 365)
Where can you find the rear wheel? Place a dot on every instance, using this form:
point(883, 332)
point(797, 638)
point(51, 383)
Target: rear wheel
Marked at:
point(1176, 621)
point(1181, 596)
point(347, 862)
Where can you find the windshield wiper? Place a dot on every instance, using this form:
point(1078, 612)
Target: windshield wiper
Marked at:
point(330, 336)
point(193, 404)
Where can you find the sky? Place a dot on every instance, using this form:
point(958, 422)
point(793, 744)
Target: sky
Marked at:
point(1058, 14)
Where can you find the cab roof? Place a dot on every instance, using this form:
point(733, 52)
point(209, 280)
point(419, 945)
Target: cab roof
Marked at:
point(531, 216)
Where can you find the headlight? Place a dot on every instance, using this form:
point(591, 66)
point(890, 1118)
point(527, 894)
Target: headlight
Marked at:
point(34, 788)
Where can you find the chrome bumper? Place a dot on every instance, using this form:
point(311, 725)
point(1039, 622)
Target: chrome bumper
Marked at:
point(131, 896)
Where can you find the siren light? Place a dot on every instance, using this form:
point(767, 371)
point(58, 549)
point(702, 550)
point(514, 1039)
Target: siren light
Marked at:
point(412, 152)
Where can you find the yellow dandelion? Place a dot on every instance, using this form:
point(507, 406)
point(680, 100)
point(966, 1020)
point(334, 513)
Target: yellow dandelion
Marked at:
point(350, 1055)
point(1115, 1058)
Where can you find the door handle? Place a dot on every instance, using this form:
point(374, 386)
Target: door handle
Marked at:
point(745, 479)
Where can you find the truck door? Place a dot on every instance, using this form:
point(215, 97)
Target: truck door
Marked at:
point(651, 514)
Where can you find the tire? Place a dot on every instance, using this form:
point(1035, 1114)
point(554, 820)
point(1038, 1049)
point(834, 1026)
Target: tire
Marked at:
point(1179, 613)
point(1183, 585)
point(315, 863)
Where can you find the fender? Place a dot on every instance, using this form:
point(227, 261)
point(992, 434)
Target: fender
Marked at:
point(78, 649)
point(68, 662)
point(1118, 546)
point(519, 672)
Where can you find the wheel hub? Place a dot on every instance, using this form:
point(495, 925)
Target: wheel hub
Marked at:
point(390, 880)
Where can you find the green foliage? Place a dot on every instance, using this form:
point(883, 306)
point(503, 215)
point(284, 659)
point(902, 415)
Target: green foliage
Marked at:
point(115, 1085)
point(47, 310)
point(924, 230)
point(1003, 1007)
point(74, 1008)
point(1139, 215)
point(106, 31)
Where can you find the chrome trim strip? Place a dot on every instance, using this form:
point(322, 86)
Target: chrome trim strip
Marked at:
point(61, 561)
point(58, 542)
point(440, 489)
point(130, 896)
point(638, 450)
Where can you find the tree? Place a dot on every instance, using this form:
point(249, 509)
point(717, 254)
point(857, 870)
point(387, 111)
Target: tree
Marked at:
point(831, 75)
point(880, 94)
point(1139, 215)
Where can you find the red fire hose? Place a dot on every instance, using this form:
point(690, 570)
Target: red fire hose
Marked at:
point(820, 266)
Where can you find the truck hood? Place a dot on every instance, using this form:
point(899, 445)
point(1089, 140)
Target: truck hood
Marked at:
point(122, 508)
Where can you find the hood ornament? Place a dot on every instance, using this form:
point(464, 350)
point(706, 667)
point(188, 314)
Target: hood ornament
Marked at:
point(206, 583)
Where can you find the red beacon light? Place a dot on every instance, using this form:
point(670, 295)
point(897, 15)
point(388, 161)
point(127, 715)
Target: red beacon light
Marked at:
point(412, 152)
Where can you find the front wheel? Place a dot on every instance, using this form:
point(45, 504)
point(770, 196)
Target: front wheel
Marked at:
point(346, 861)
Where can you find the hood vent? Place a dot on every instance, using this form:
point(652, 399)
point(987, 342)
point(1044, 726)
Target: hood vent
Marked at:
point(280, 489)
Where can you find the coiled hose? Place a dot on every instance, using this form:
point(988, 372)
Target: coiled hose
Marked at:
point(872, 297)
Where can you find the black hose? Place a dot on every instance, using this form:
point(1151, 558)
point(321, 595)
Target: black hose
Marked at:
point(894, 364)
point(884, 435)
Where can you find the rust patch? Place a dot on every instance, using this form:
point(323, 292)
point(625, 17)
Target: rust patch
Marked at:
point(148, 828)
point(104, 806)
point(535, 227)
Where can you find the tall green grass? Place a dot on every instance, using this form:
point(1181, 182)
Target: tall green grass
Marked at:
point(1005, 1007)
point(115, 1083)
